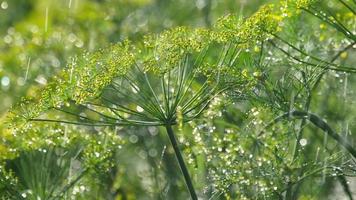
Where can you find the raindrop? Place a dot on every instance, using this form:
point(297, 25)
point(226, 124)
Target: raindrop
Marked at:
point(139, 109)
point(46, 20)
point(255, 113)
point(55, 62)
point(317, 154)
point(4, 5)
point(142, 154)
point(152, 130)
point(162, 154)
point(28, 67)
point(82, 114)
point(79, 44)
point(5, 81)
point(72, 37)
point(7, 39)
point(200, 4)
point(41, 80)
point(135, 89)
point(303, 142)
point(11, 31)
point(82, 188)
point(152, 152)
point(133, 139)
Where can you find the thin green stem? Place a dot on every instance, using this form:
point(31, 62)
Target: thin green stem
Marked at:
point(347, 6)
point(345, 186)
point(318, 122)
point(183, 167)
point(302, 124)
point(326, 64)
point(332, 60)
point(71, 184)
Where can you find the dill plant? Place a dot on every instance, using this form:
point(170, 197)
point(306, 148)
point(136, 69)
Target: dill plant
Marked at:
point(171, 80)
point(49, 160)
point(252, 165)
point(261, 162)
point(181, 74)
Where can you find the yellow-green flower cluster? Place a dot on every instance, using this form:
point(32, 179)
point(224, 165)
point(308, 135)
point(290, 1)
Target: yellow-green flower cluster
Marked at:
point(227, 28)
point(245, 33)
point(290, 8)
point(266, 21)
point(166, 50)
point(303, 3)
point(82, 80)
point(90, 73)
point(101, 151)
point(260, 25)
point(97, 148)
point(7, 180)
point(34, 136)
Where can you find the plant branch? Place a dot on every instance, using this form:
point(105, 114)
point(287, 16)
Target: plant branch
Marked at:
point(181, 163)
point(347, 6)
point(318, 122)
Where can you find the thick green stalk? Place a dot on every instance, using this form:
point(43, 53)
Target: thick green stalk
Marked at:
point(182, 165)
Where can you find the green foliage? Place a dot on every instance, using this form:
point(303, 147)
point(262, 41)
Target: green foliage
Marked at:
point(263, 108)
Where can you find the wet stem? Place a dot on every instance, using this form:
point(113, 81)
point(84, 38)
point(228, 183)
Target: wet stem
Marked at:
point(183, 167)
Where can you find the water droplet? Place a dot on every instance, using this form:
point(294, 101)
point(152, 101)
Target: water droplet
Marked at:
point(4, 5)
point(303, 142)
point(142, 154)
point(200, 4)
point(152, 152)
point(7, 39)
point(79, 44)
point(46, 20)
point(133, 138)
point(139, 109)
point(41, 80)
point(162, 154)
point(5, 81)
point(72, 37)
point(135, 89)
point(152, 130)
point(28, 67)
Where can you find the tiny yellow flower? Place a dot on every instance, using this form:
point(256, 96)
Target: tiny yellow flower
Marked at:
point(257, 74)
point(343, 55)
point(244, 73)
point(322, 26)
point(257, 49)
point(321, 38)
